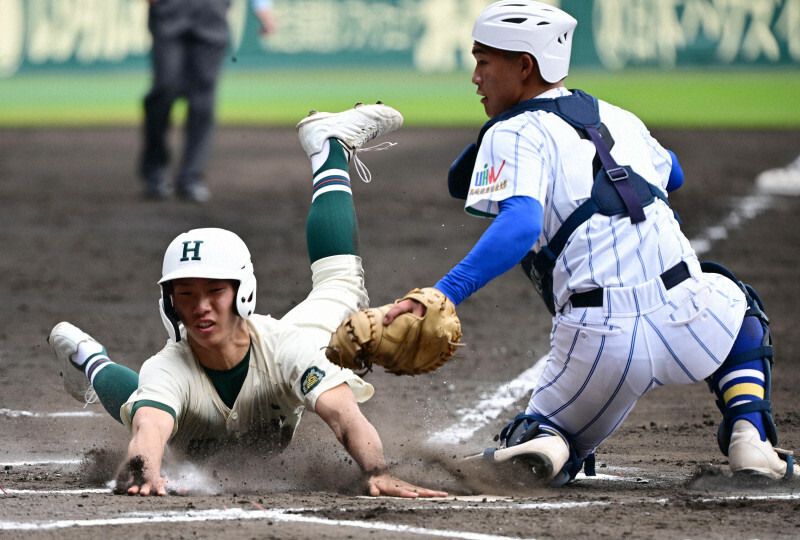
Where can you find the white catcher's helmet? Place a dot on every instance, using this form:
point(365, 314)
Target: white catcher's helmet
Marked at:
point(525, 26)
point(206, 253)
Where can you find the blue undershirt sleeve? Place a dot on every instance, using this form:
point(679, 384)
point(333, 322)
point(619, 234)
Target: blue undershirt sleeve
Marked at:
point(507, 240)
point(675, 174)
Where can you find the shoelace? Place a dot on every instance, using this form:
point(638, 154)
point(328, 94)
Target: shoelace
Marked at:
point(361, 168)
point(90, 397)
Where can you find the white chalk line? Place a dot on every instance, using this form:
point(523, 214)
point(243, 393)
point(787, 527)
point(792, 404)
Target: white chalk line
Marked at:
point(28, 414)
point(291, 515)
point(748, 208)
point(237, 514)
point(33, 463)
point(56, 491)
point(475, 498)
point(465, 499)
point(490, 406)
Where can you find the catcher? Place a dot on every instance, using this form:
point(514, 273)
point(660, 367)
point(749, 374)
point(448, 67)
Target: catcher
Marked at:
point(578, 190)
point(228, 376)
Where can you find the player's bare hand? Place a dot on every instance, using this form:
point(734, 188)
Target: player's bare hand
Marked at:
point(408, 305)
point(386, 484)
point(135, 478)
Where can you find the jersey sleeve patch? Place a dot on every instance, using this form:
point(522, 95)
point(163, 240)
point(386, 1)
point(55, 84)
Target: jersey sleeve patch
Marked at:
point(311, 378)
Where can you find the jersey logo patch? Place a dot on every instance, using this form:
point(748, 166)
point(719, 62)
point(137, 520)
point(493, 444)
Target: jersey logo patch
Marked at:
point(311, 378)
point(487, 175)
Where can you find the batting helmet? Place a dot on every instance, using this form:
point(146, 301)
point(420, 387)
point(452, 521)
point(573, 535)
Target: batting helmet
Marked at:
point(206, 253)
point(532, 27)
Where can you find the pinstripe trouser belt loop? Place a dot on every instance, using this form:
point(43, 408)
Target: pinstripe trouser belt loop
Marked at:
point(594, 298)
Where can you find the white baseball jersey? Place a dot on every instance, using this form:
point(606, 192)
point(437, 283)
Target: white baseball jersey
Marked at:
point(604, 358)
point(287, 372)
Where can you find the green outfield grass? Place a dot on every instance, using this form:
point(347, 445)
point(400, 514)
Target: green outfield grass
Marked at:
point(681, 98)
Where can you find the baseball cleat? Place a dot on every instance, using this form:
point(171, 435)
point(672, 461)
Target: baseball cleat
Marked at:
point(64, 340)
point(157, 191)
point(353, 127)
point(544, 455)
point(749, 455)
point(194, 193)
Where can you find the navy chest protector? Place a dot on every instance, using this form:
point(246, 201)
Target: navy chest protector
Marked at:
point(617, 189)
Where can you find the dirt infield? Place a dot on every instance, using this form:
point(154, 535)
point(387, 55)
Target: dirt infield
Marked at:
point(79, 244)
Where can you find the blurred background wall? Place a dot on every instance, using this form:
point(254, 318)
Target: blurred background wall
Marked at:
point(423, 35)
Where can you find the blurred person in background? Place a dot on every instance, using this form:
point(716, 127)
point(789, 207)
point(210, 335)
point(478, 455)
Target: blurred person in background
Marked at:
point(190, 38)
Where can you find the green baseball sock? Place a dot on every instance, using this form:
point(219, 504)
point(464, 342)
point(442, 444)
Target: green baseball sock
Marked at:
point(332, 227)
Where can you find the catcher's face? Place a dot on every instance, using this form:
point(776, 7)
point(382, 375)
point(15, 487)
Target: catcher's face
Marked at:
point(205, 307)
point(498, 75)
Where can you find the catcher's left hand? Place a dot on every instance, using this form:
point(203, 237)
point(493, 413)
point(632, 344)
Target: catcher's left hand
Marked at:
point(411, 344)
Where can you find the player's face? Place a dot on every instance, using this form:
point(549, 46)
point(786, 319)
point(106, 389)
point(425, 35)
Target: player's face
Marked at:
point(497, 75)
point(205, 307)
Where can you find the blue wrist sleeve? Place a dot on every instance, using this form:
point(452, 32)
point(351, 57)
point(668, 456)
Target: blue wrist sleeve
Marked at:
point(507, 240)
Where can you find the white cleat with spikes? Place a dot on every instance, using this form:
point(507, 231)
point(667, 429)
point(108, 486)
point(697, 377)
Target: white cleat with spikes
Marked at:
point(353, 127)
point(64, 340)
point(749, 455)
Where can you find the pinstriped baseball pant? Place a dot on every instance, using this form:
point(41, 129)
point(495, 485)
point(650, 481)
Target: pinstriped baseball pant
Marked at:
point(603, 359)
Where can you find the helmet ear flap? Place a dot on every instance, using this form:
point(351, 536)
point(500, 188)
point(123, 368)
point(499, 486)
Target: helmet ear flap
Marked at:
point(169, 316)
point(246, 297)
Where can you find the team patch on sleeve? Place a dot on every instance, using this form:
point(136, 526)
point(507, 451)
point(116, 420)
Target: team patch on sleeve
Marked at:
point(311, 378)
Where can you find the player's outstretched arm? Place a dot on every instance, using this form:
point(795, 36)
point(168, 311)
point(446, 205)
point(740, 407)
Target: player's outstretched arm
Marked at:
point(339, 409)
point(140, 473)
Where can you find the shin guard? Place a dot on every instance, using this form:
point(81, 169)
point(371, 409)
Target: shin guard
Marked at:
point(760, 357)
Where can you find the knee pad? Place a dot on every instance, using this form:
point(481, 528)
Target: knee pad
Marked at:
point(525, 427)
point(763, 353)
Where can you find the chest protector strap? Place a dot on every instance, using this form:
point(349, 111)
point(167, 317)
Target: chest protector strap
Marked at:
point(617, 189)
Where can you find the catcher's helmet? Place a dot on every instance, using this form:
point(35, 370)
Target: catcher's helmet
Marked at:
point(525, 26)
point(206, 253)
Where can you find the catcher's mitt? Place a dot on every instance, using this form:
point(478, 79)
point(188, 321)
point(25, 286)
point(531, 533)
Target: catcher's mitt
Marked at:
point(410, 345)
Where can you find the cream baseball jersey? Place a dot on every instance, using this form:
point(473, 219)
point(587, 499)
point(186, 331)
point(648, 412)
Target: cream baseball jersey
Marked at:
point(288, 371)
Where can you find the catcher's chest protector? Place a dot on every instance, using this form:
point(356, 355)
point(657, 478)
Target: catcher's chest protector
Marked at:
point(617, 189)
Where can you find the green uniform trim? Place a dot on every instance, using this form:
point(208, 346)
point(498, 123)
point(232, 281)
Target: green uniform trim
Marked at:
point(154, 404)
